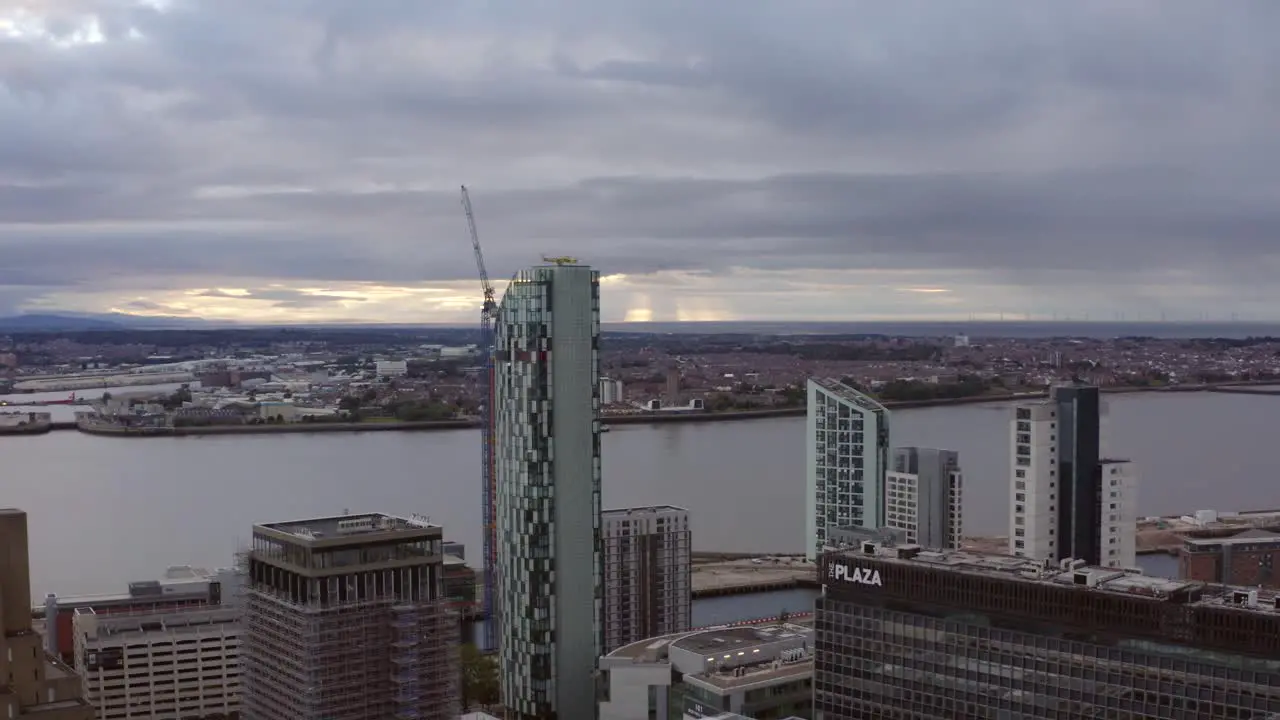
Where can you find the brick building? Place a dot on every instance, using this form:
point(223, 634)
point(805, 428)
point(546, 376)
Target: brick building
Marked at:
point(1247, 558)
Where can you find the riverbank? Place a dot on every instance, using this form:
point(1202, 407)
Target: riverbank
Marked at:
point(639, 418)
point(120, 431)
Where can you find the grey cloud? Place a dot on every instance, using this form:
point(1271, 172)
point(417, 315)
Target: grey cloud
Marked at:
point(282, 298)
point(1092, 137)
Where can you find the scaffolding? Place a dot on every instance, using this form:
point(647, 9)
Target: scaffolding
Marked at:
point(371, 659)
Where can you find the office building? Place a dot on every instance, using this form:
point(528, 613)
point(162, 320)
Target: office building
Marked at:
point(925, 491)
point(33, 682)
point(905, 632)
point(547, 464)
point(176, 664)
point(1068, 501)
point(761, 671)
point(345, 619)
point(180, 586)
point(648, 580)
point(847, 436)
point(1232, 556)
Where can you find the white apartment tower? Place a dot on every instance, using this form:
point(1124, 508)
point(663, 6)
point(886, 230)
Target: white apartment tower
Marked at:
point(925, 493)
point(1067, 500)
point(648, 579)
point(1118, 515)
point(547, 461)
point(847, 434)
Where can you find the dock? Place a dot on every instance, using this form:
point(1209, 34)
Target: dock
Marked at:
point(739, 577)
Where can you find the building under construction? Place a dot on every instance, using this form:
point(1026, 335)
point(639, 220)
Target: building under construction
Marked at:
point(346, 620)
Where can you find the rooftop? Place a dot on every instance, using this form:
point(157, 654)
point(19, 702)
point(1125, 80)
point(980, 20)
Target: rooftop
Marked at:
point(180, 582)
point(724, 658)
point(1247, 537)
point(650, 510)
point(340, 526)
point(1074, 573)
point(848, 394)
point(137, 625)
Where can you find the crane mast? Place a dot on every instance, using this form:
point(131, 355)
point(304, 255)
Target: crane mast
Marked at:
point(489, 499)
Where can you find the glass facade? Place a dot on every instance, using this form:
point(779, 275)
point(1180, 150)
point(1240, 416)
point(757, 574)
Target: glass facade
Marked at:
point(547, 462)
point(930, 644)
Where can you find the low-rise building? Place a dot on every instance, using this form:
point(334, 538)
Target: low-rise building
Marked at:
point(180, 586)
point(178, 664)
point(1247, 558)
point(756, 671)
point(391, 368)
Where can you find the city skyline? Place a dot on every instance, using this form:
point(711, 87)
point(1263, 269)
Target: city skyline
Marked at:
point(299, 162)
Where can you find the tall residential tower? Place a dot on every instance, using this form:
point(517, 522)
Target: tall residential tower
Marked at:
point(924, 498)
point(1068, 501)
point(848, 455)
point(547, 438)
point(648, 577)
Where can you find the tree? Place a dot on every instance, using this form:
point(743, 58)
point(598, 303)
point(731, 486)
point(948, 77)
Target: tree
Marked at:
point(479, 678)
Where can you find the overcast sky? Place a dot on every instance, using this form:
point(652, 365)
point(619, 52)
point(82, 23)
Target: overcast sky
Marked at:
point(282, 160)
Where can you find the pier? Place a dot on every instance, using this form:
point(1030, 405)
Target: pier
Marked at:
point(739, 577)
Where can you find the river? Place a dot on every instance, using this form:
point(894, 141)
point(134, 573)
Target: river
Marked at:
point(105, 511)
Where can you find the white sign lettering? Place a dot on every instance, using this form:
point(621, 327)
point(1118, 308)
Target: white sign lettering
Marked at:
point(862, 576)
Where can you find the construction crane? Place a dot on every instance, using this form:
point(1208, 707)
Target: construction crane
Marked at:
point(489, 495)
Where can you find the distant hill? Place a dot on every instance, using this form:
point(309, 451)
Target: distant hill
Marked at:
point(76, 322)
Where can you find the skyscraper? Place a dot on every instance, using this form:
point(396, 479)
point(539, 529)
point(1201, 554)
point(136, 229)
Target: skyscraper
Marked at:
point(547, 436)
point(924, 498)
point(1062, 506)
point(647, 574)
point(345, 619)
point(847, 435)
point(33, 683)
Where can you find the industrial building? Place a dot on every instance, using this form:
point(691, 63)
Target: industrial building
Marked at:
point(907, 632)
point(924, 497)
point(36, 683)
point(175, 664)
point(648, 574)
point(547, 468)
point(346, 619)
point(847, 438)
point(1242, 557)
point(1068, 500)
point(762, 671)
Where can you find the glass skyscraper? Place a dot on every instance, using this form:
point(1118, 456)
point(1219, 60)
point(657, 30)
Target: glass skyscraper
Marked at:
point(547, 438)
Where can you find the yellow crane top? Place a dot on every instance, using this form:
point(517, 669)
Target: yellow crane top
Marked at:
point(560, 260)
